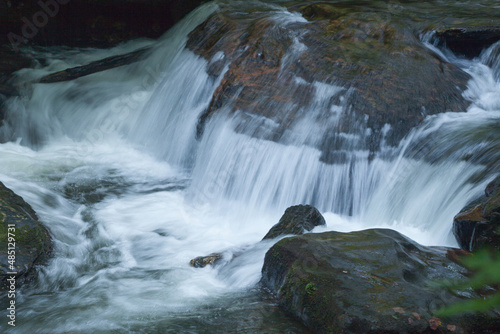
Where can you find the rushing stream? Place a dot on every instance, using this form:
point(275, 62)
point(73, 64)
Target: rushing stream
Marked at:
point(111, 164)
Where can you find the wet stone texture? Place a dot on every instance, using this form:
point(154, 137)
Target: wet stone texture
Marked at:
point(296, 220)
point(478, 225)
point(386, 79)
point(372, 281)
point(33, 244)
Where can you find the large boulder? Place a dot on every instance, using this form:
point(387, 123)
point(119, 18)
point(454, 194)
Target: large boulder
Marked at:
point(478, 225)
point(30, 241)
point(368, 63)
point(372, 281)
point(296, 220)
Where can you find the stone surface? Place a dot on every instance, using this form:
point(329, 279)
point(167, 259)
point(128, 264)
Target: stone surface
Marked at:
point(372, 281)
point(32, 240)
point(296, 220)
point(380, 70)
point(203, 261)
point(478, 225)
point(96, 66)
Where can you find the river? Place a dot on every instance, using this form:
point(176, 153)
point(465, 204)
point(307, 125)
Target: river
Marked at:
point(111, 164)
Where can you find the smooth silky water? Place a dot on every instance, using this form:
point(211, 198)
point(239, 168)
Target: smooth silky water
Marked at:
point(112, 166)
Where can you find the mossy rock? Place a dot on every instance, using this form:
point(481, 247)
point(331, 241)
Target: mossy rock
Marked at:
point(372, 281)
point(33, 244)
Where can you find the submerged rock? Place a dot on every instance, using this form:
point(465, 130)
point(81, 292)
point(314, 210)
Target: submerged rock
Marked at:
point(296, 220)
point(477, 226)
point(203, 261)
point(30, 239)
point(372, 281)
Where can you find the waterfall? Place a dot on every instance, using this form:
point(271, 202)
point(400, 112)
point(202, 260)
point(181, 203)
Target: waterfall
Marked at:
point(112, 164)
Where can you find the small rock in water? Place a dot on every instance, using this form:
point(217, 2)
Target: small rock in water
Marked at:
point(203, 261)
point(296, 220)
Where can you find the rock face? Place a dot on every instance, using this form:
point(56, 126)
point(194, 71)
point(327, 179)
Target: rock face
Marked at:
point(365, 62)
point(477, 226)
point(372, 281)
point(32, 241)
point(296, 220)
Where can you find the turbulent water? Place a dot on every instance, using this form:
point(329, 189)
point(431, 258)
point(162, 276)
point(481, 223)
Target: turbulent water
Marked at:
point(111, 164)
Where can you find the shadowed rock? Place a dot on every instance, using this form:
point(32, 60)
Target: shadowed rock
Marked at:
point(372, 281)
point(296, 220)
point(94, 67)
point(477, 226)
point(31, 240)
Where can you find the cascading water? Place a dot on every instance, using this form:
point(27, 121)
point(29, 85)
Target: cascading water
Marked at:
point(111, 164)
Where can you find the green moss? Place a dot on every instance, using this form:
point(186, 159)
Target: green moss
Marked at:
point(31, 237)
point(310, 288)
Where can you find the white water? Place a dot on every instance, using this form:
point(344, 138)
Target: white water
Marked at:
point(111, 164)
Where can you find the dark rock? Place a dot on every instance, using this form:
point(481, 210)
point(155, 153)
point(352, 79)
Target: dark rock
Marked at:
point(203, 261)
point(296, 220)
point(469, 41)
point(372, 281)
point(9, 63)
point(32, 241)
point(94, 67)
point(478, 225)
point(384, 71)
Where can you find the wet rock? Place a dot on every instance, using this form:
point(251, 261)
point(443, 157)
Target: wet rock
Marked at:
point(94, 67)
point(477, 226)
point(372, 281)
point(32, 241)
point(203, 261)
point(374, 67)
point(10, 62)
point(296, 220)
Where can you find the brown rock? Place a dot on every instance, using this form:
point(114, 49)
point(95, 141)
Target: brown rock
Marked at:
point(384, 71)
point(203, 261)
